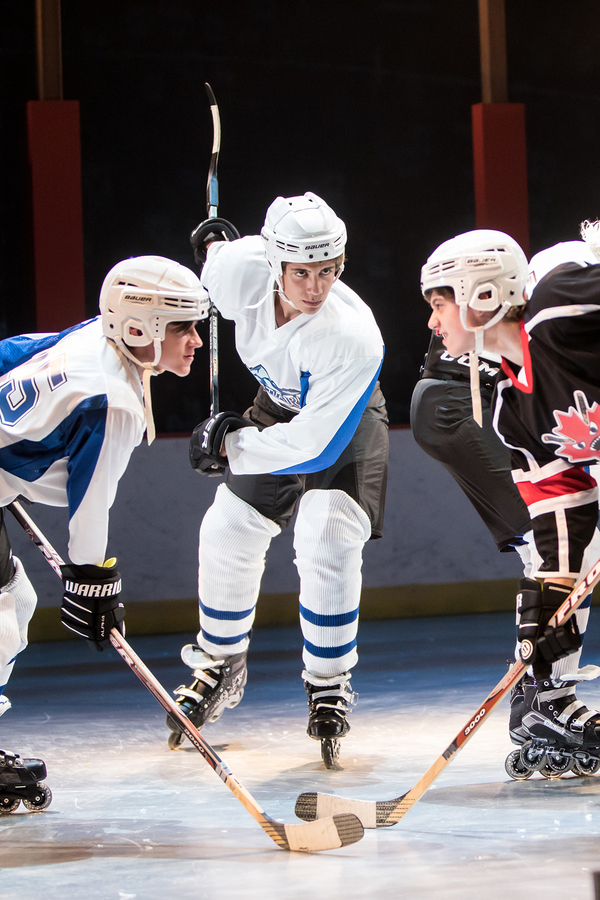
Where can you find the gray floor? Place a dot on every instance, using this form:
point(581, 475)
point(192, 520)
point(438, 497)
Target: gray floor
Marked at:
point(131, 819)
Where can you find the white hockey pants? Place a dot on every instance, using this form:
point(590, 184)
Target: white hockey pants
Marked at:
point(17, 604)
point(234, 539)
point(331, 530)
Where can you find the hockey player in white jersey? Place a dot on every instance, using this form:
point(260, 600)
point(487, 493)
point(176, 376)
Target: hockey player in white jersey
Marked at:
point(319, 446)
point(73, 406)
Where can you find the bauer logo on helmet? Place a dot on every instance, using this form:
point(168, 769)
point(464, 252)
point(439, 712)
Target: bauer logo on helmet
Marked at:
point(137, 298)
point(481, 261)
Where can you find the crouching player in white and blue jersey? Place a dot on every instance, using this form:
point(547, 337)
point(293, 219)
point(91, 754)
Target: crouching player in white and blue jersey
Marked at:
point(73, 406)
point(319, 447)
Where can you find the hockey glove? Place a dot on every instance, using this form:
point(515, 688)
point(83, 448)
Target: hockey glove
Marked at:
point(540, 644)
point(91, 604)
point(207, 439)
point(208, 231)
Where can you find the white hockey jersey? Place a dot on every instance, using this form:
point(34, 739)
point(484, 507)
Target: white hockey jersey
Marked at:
point(71, 413)
point(323, 366)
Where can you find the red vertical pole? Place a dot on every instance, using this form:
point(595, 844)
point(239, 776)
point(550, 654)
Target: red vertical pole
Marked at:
point(500, 164)
point(55, 166)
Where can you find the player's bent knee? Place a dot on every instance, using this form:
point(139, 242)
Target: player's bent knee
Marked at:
point(331, 515)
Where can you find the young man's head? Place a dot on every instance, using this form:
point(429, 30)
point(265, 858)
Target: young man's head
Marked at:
point(150, 306)
point(472, 282)
point(304, 242)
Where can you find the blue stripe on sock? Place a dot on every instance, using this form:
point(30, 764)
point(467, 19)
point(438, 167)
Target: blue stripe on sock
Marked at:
point(225, 615)
point(225, 641)
point(329, 621)
point(329, 652)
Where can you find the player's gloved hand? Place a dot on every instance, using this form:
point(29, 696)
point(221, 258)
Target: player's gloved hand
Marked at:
point(207, 439)
point(91, 605)
point(208, 231)
point(542, 645)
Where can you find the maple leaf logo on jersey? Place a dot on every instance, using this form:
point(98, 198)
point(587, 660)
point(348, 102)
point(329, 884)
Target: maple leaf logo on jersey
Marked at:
point(577, 431)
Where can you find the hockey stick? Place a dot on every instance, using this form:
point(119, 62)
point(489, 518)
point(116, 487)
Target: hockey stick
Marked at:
point(212, 208)
point(323, 834)
point(382, 813)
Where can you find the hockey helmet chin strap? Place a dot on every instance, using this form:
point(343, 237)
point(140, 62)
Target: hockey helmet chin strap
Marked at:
point(474, 355)
point(149, 370)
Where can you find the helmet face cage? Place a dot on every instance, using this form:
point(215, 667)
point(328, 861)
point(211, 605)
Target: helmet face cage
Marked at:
point(301, 229)
point(476, 263)
point(144, 294)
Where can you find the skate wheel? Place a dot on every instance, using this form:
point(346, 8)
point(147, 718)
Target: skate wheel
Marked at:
point(515, 768)
point(176, 739)
point(586, 768)
point(557, 766)
point(330, 753)
point(42, 799)
point(8, 805)
point(532, 758)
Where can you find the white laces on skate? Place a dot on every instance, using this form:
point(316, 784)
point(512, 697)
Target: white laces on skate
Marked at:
point(586, 673)
point(575, 714)
point(196, 658)
point(336, 686)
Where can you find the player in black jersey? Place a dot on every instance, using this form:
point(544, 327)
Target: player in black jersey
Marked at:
point(546, 413)
point(443, 426)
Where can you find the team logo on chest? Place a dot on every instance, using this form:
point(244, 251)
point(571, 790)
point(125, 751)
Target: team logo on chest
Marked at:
point(288, 396)
point(577, 431)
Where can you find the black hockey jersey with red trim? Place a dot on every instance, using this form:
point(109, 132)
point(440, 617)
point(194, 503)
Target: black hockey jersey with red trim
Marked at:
point(550, 409)
point(439, 364)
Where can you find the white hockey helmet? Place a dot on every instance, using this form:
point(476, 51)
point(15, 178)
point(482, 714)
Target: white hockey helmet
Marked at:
point(301, 229)
point(145, 293)
point(475, 263)
point(579, 252)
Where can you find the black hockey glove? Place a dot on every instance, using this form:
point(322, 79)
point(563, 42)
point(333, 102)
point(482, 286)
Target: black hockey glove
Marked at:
point(91, 604)
point(208, 231)
point(540, 644)
point(207, 438)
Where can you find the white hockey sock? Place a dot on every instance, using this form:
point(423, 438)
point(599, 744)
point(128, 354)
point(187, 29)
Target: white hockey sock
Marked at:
point(330, 532)
point(17, 604)
point(234, 539)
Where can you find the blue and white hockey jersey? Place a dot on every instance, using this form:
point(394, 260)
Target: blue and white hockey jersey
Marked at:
point(323, 366)
point(71, 413)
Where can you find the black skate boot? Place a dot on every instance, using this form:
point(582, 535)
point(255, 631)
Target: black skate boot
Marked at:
point(328, 708)
point(562, 733)
point(21, 780)
point(218, 685)
point(517, 699)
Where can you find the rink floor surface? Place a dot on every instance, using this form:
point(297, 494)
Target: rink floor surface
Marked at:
point(132, 819)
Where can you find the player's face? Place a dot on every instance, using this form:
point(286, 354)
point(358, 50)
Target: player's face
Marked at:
point(307, 285)
point(445, 321)
point(178, 348)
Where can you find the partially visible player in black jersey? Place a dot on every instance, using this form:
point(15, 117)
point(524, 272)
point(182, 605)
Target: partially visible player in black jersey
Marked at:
point(546, 412)
point(442, 423)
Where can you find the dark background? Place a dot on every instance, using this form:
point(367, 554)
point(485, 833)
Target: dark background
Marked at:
point(365, 103)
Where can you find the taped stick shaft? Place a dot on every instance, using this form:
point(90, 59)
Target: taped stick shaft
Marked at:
point(212, 209)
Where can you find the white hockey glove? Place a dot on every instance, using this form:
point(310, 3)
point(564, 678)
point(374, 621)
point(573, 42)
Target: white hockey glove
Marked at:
point(91, 605)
